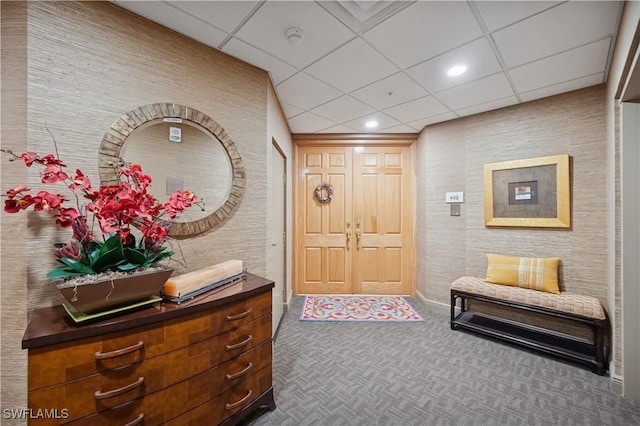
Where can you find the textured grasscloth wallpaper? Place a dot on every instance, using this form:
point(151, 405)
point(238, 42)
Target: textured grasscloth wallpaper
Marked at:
point(88, 63)
point(13, 276)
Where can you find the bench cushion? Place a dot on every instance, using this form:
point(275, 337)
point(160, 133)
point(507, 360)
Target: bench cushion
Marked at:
point(586, 306)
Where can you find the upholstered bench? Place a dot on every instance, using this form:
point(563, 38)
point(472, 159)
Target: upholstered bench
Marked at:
point(586, 310)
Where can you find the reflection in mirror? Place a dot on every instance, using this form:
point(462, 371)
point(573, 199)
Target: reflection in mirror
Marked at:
point(180, 148)
point(187, 158)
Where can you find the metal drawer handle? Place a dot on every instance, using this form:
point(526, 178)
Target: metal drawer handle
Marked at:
point(119, 391)
point(240, 373)
point(119, 352)
point(138, 420)
point(231, 406)
point(239, 345)
point(239, 316)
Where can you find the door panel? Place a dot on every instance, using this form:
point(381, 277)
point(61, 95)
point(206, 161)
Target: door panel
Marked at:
point(361, 241)
point(383, 213)
point(326, 260)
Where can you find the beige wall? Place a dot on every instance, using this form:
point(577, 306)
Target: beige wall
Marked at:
point(13, 276)
point(88, 63)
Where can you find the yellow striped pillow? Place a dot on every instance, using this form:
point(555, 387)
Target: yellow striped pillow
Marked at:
point(526, 272)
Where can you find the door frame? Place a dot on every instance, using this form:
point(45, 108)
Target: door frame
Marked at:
point(350, 140)
point(285, 267)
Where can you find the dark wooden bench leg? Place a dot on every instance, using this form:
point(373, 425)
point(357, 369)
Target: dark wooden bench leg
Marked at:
point(598, 340)
point(453, 310)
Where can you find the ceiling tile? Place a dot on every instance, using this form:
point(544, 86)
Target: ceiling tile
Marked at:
point(390, 91)
point(563, 27)
point(403, 128)
point(352, 66)
point(567, 86)
point(291, 110)
point(167, 15)
point(306, 92)
point(340, 128)
point(423, 30)
point(488, 106)
point(421, 124)
point(586, 60)
point(322, 32)
point(342, 109)
point(414, 110)
point(310, 123)
point(476, 92)
point(279, 70)
point(499, 14)
point(477, 56)
point(384, 121)
point(226, 15)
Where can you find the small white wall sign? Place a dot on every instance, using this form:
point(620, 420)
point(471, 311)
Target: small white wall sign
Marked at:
point(454, 197)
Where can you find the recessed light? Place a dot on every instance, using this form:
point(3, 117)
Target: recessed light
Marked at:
point(371, 124)
point(456, 70)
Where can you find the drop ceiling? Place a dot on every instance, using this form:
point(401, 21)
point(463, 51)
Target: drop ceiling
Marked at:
point(387, 61)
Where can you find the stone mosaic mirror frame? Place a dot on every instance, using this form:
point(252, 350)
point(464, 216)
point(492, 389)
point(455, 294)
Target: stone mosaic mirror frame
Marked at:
point(113, 141)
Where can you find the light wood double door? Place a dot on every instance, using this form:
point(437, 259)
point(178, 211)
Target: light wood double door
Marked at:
point(361, 242)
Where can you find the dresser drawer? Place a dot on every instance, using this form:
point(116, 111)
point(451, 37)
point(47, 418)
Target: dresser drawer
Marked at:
point(73, 360)
point(227, 404)
point(183, 398)
point(109, 389)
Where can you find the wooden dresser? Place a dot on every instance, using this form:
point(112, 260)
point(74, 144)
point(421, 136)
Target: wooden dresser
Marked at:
point(206, 361)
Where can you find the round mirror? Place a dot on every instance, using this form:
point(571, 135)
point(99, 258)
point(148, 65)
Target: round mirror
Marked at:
point(180, 148)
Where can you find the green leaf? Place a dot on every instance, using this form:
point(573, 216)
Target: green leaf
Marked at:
point(108, 260)
point(94, 255)
point(112, 243)
point(136, 256)
point(94, 245)
point(77, 266)
point(158, 256)
point(127, 266)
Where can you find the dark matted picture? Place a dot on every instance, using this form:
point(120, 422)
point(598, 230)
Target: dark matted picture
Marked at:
point(523, 192)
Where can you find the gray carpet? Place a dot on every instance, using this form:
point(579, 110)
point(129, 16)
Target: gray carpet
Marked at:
point(397, 374)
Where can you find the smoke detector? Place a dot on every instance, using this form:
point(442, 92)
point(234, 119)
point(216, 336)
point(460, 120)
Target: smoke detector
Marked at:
point(294, 36)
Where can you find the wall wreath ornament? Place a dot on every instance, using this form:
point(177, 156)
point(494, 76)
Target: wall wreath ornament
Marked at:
point(324, 193)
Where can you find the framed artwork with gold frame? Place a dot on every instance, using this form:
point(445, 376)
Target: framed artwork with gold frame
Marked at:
point(530, 193)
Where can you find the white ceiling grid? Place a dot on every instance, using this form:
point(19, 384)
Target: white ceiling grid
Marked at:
point(387, 60)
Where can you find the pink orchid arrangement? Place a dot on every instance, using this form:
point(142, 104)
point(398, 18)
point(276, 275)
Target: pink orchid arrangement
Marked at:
point(116, 209)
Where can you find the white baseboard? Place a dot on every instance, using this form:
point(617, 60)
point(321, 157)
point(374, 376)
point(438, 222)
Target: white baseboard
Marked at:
point(437, 307)
point(617, 383)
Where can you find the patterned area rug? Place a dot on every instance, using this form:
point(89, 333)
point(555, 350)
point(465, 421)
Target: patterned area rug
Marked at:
point(358, 308)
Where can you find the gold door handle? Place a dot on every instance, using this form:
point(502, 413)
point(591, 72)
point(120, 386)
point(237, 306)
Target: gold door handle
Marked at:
point(357, 235)
point(348, 238)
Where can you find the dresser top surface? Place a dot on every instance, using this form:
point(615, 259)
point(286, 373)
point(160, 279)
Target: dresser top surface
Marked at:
point(52, 325)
